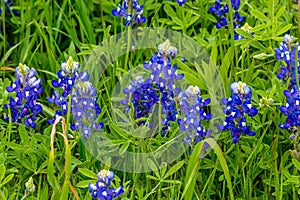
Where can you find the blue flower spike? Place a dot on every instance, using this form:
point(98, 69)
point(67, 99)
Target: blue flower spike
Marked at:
point(160, 88)
point(236, 108)
point(287, 52)
point(134, 18)
point(221, 11)
point(192, 112)
point(102, 190)
point(291, 109)
point(84, 106)
point(27, 88)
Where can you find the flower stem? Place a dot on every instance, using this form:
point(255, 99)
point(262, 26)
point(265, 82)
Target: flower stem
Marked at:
point(68, 155)
point(129, 44)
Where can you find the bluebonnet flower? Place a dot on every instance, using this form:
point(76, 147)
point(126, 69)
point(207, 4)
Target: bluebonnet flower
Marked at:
point(163, 73)
point(222, 10)
point(67, 77)
point(159, 88)
point(30, 187)
point(191, 109)
point(291, 109)
point(9, 5)
point(84, 106)
point(125, 9)
point(237, 105)
point(288, 53)
point(102, 190)
point(27, 88)
point(181, 2)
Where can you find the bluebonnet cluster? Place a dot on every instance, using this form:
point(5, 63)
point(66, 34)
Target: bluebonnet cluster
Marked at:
point(124, 10)
point(102, 190)
point(9, 5)
point(159, 88)
point(291, 109)
point(163, 73)
point(288, 53)
point(237, 105)
point(222, 11)
point(84, 106)
point(192, 109)
point(143, 96)
point(27, 88)
point(67, 77)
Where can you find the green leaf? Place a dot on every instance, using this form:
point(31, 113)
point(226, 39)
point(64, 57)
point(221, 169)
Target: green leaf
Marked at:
point(178, 21)
point(7, 179)
point(121, 114)
point(27, 165)
point(152, 177)
point(124, 148)
point(153, 167)
point(23, 134)
point(296, 163)
point(259, 27)
point(2, 172)
point(257, 45)
point(174, 169)
point(72, 51)
point(271, 8)
point(88, 173)
point(193, 20)
point(84, 184)
point(262, 56)
point(280, 12)
point(191, 172)
point(259, 15)
point(284, 29)
point(50, 174)
point(243, 33)
point(169, 10)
